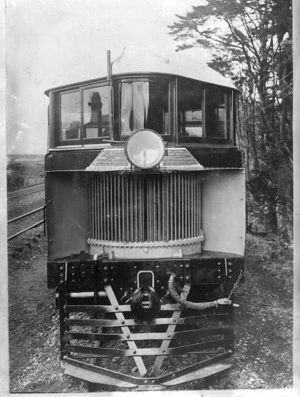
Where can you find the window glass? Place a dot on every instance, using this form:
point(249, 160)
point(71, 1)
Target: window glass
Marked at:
point(190, 105)
point(95, 112)
point(216, 114)
point(70, 116)
point(144, 104)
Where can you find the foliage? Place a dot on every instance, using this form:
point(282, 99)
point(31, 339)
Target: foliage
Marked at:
point(15, 177)
point(246, 39)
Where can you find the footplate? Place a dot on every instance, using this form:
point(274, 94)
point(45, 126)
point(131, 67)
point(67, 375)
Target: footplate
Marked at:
point(105, 344)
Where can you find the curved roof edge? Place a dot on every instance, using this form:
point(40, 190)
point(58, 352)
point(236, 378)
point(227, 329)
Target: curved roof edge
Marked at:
point(184, 63)
point(137, 60)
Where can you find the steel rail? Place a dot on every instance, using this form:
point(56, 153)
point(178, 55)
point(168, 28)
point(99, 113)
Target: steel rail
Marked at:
point(25, 191)
point(32, 226)
point(24, 215)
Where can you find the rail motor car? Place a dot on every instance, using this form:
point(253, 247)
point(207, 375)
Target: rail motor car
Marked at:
point(145, 208)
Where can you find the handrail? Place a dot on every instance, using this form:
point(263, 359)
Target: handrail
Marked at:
point(32, 226)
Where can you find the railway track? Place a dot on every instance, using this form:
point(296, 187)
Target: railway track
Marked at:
point(25, 191)
point(25, 209)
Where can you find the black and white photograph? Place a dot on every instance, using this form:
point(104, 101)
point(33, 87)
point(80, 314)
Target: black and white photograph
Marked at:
point(147, 203)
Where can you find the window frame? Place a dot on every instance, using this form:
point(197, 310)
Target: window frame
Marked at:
point(171, 103)
point(90, 141)
point(58, 113)
point(114, 94)
point(228, 126)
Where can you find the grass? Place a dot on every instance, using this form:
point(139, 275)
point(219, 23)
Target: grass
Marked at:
point(273, 255)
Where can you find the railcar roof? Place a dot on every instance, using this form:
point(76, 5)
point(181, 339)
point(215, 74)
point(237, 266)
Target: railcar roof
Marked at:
point(134, 60)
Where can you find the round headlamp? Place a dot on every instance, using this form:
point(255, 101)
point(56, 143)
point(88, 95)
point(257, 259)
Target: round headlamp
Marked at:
point(145, 149)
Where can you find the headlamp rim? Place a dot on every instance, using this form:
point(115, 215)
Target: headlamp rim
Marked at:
point(128, 141)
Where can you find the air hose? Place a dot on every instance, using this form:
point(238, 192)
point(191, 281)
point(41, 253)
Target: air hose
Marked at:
point(192, 305)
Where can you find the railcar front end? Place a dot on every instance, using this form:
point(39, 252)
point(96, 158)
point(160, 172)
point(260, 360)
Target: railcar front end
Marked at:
point(145, 207)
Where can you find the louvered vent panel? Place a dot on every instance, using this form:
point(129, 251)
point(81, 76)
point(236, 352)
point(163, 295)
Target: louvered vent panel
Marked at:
point(130, 208)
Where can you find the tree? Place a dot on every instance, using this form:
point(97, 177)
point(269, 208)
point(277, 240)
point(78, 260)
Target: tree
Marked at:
point(246, 39)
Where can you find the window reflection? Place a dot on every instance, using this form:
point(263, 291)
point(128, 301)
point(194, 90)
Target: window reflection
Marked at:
point(203, 113)
point(95, 113)
point(217, 114)
point(190, 105)
point(70, 116)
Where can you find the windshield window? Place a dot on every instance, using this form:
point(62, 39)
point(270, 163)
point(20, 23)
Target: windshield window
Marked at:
point(70, 116)
point(144, 104)
point(95, 113)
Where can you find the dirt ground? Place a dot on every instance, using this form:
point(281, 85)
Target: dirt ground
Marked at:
point(263, 347)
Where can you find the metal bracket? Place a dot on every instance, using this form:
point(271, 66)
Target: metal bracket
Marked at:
point(145, 271)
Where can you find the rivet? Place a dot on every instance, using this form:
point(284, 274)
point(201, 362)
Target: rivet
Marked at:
point(116, 308)
point(134, 351)
point(163, 351)
point(128, 336)
point(123, 322)
point(174, 321)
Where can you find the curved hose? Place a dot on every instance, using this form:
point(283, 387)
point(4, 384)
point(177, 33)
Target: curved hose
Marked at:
point(192, 305)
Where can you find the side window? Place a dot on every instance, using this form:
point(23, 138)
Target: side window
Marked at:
point(217, 114)
point(70, 116)
point(95, 113)
point(205, 114)
point(190, 111)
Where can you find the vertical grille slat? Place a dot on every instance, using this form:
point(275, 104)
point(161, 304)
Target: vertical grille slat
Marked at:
point(130, 208)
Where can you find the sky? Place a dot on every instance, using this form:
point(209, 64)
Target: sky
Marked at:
point(55, 42)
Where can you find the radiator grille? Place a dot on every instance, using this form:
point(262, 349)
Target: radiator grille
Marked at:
point(134, 208)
